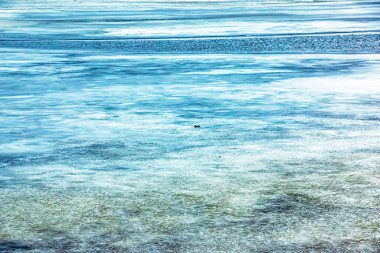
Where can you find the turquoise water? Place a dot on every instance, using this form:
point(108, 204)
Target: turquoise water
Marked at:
point(98, 150)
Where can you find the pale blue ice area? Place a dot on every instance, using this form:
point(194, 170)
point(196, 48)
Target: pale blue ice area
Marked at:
point(98, 103)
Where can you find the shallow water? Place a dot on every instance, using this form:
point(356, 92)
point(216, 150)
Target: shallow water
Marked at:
point(98, 150)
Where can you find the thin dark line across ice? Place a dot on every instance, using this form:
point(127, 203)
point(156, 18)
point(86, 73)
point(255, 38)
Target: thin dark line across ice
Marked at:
point(342, 43)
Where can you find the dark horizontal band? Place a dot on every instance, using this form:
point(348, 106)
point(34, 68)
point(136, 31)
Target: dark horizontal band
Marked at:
point(345, 43)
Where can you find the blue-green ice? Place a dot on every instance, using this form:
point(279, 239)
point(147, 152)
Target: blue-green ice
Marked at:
point(98, 149)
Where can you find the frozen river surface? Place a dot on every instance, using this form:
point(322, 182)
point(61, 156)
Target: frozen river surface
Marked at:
point(98, 102)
